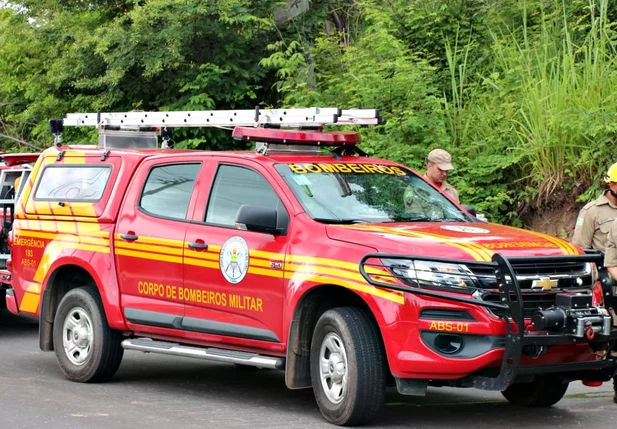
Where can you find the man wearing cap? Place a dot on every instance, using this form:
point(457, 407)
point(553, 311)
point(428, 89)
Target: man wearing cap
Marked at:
point(596, 229)
point(439, 162)
point(595, 219)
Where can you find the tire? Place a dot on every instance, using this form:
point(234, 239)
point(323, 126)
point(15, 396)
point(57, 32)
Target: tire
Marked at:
point(544, 391)
point(86, 348)
point(348, 367)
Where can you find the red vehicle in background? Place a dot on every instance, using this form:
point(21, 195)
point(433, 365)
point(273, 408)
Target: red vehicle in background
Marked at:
point(345, 271)
point(15, 169)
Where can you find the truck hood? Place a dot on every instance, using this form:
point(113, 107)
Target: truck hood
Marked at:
point(454, 240)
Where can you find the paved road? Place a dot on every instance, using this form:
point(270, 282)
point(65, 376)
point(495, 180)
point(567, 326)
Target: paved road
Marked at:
point(155, 391)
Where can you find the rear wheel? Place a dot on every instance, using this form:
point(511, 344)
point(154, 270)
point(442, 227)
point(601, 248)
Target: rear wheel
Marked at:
point(348, 366)
point(544, 391)
point(86, 348)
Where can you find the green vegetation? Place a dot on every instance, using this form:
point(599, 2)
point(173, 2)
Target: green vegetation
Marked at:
point(523, 93)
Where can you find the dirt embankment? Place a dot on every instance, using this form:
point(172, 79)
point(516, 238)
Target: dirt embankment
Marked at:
point(556, 217)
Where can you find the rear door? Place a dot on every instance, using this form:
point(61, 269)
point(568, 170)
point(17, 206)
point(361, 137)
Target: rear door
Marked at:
point(149, 240)
point(234, 279)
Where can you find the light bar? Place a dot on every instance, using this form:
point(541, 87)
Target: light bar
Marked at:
point(312, 138)
point(11, 159)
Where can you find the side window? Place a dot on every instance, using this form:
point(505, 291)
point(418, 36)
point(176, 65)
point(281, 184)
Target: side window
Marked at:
point(73, 183)
point(235, 186)
point(168, 190)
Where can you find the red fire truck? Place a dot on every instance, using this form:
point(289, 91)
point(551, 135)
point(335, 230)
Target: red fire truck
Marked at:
point(305, 255)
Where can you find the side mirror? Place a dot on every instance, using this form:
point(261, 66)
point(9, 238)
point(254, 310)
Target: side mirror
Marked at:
point(257, 218)
point(470, 209)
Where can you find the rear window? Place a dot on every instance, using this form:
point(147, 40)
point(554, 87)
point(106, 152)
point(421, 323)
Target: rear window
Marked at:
point(73, 183)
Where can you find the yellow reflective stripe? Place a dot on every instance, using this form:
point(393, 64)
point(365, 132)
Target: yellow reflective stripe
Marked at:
point(148, 248)
point(254, 268)
point(566, 247)
point(30, 302)
point(190, 253)
point(43, 208)
point(484, 253)
point(316, 269)
point(90, 248)
point(154, 240)
point(312, 260)
point(213, 248)
point(370, 290)
point(202, 263)
point(64, 237)
point(475, 251)
point(265, 272)
point(261, 263)
point(146, 255)
point(34, 288)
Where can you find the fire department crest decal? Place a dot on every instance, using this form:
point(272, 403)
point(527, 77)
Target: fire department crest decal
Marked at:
point(234, 259)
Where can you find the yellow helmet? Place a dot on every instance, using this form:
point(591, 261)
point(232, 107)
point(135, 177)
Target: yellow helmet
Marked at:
point(611, 174)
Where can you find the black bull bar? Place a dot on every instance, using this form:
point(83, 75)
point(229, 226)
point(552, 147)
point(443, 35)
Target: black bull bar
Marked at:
point(509, 307)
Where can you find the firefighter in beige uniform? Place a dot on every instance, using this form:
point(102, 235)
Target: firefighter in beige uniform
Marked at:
point(601, 231)
point(595, 219)
point(610, 262)
point(439, 162)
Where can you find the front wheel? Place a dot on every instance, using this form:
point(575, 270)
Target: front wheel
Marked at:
point(86, 348)
point(348, 366)
point(544, 391)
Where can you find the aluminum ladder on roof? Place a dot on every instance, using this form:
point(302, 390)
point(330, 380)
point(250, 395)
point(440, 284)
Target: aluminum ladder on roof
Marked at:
point(293, 117)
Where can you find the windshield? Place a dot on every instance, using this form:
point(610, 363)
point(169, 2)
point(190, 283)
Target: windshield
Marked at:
point(357, 193)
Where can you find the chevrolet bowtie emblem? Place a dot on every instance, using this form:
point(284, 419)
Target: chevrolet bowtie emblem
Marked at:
point(545, 283)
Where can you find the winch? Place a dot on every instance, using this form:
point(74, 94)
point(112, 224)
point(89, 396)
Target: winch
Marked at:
point(574, 315)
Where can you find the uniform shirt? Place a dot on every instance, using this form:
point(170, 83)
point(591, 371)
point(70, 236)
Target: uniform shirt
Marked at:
point(593, 224)
point(450, 190)
point(610, 253)
point(447, 188)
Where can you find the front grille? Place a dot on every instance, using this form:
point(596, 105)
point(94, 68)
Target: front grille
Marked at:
point(569, 276)
point(531, 301)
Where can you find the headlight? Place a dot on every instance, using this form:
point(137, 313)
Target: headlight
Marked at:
point(433, 274)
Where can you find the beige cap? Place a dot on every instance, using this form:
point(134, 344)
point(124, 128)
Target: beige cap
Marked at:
point(441, 158)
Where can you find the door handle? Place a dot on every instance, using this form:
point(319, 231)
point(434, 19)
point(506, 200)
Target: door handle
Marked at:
point(129, 237)
point(197, 245)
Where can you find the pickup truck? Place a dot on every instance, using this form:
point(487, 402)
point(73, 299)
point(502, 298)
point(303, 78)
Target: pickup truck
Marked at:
point(348, 273)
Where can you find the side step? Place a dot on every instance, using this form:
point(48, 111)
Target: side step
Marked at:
point(149, 345)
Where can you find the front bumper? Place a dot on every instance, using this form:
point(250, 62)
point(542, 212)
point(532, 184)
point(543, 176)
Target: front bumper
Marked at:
point(11, 301)
point(583, 330)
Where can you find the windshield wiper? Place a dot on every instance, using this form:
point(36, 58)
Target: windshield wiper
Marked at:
point(450, 219)
point(340, 221)
point(410, 218)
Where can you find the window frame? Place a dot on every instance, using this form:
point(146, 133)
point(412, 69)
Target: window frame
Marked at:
point(168, 164)
point(246, 167)
point(71, 166)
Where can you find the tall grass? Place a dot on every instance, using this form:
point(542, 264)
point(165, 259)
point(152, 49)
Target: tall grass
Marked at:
point(548, 100)
point(561, 84)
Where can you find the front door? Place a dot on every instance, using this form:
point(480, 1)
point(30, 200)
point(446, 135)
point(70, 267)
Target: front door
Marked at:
point(234, 278)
